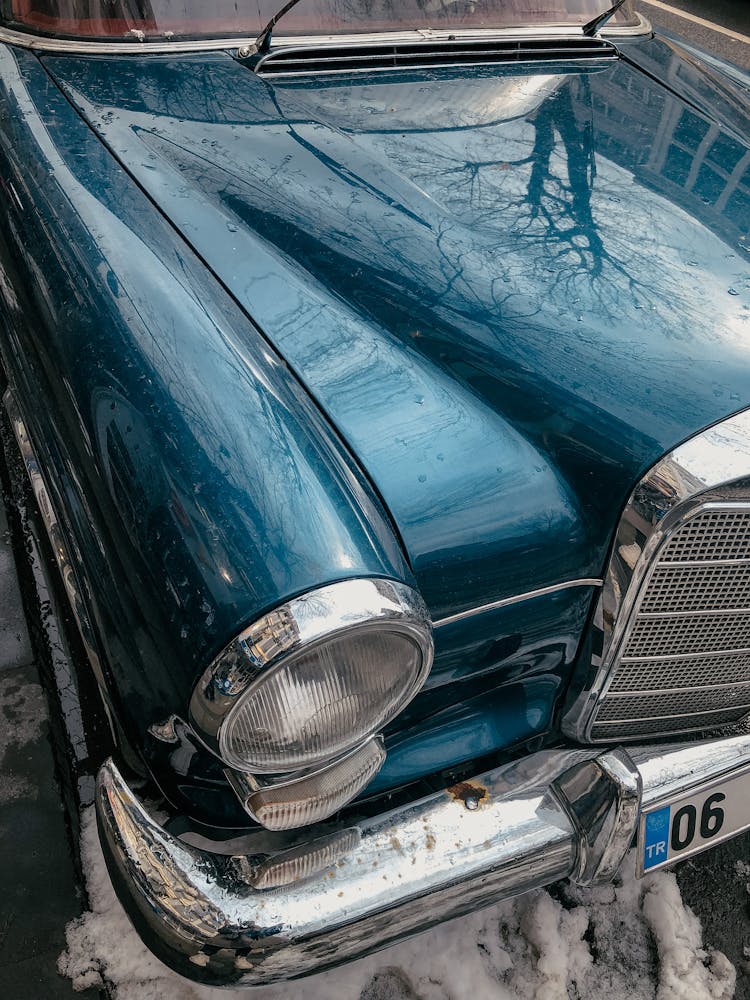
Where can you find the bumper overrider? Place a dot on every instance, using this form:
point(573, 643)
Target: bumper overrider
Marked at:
point(252, 919)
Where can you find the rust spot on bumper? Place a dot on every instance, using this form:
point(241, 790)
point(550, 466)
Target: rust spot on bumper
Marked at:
point(468, 792)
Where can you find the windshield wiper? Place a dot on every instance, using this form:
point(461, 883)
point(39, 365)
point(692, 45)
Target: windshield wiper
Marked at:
point(598, 22)
point(263, 41)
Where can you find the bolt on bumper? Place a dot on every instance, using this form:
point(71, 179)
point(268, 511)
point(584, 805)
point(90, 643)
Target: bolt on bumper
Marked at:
point(250, 920)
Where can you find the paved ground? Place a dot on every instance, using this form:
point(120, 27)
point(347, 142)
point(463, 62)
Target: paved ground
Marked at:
point(39, 890)
point(716, 886)
point(730, 20)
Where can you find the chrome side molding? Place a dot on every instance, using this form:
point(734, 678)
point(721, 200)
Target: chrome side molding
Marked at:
point(58, 544)
point(517, 599)
point(552, 815)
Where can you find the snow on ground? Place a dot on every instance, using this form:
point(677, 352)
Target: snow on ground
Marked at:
point(635, 940)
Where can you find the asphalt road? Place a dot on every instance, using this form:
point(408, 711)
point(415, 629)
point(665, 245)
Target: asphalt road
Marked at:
point(40, 888)
point(719, 26)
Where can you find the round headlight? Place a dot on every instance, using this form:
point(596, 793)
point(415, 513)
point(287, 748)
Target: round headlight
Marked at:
point(316, 677)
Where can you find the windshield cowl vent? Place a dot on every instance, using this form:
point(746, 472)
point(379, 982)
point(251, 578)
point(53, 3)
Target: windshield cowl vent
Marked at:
point(428, 54)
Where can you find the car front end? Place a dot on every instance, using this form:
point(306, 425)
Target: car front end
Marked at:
point(384, 396)
point(571, 811)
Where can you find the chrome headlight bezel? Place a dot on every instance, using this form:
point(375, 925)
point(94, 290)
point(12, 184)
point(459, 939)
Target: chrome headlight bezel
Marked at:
point(299, 626)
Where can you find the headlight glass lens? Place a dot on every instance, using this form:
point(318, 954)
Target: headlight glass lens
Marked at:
point(321, 701)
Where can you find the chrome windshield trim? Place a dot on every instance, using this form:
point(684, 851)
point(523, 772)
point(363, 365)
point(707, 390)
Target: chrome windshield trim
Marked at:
point(71, 46)
point(702, 473)
point(76, 46)
point(516, 599)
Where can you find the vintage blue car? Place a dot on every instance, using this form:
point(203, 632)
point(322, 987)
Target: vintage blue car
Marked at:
point(382, 372)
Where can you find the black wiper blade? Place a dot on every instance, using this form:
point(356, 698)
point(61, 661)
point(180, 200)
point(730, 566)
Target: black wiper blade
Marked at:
point(599, 21)
point(263, 41)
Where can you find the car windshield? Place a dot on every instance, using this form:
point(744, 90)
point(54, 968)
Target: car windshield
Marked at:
point(157, 20)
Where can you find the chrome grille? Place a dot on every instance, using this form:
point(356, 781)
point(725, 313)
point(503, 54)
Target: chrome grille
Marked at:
point(697, 588)
point(607, 731)
point(731, 668)
point(684, 663)
point(711, 535)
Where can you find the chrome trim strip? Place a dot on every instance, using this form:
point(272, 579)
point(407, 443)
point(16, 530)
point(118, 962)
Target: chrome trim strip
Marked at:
point(58, 543)
point(631, 693)
point(506, 601)
point(701, 563)
point(706, 613)
point(69, 46)
point(548, 816)
point(698, 475)
point(685, 656)
point(676, 715)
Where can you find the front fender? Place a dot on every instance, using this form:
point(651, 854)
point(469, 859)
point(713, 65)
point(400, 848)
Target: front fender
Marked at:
point(196, 482)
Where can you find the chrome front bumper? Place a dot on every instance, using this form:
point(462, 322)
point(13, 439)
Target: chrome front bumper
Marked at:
point(552, 815)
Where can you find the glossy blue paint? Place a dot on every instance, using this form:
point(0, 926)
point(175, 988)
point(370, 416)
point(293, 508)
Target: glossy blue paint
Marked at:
point(493, 687)
point(539, 635)
point(462, 271)
point(488, 722)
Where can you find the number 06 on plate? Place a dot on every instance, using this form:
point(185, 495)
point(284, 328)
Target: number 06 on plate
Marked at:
point(693, 822)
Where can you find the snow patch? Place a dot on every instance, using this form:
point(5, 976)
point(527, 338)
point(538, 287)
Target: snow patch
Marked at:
point(633, 940)
point(686, 970)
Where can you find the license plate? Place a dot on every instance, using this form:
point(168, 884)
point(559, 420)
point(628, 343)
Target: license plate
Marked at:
point(695, 821)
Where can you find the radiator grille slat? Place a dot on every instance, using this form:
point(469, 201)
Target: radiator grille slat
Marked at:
point(702, 671)
point(652, 636)
point(658, 726)
point(697, 588)
point(687, 649)
point(711, 535)
point(674, 703)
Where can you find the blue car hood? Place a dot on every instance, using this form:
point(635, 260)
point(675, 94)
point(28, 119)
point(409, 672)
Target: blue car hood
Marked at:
point(511, 289)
